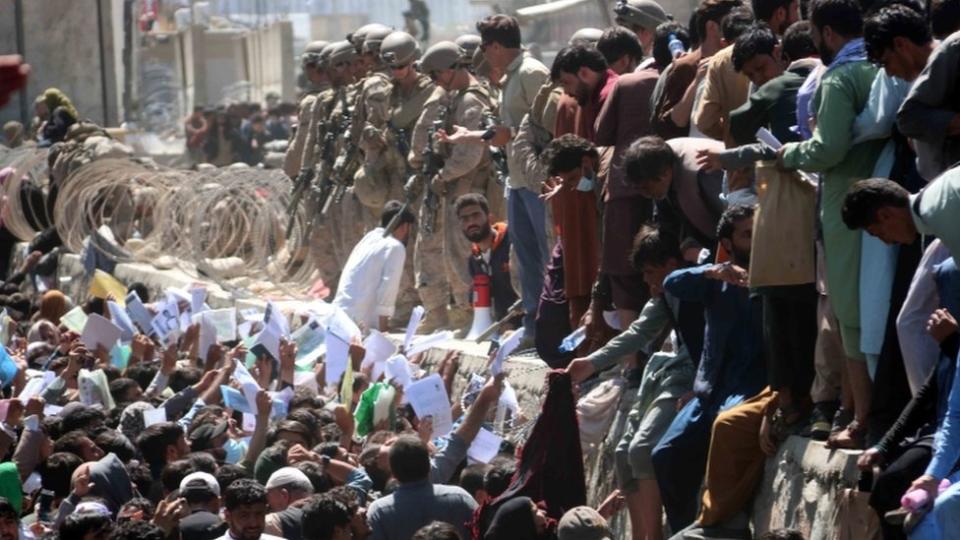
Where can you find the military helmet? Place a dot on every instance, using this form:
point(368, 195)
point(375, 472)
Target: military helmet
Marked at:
point(357, 36)
point(644, 13)
point(443, 55)
point(374, 39)
point(341, 51)
point(586, 36)
point(399, 48)
point(468, 42)
point(311, 54)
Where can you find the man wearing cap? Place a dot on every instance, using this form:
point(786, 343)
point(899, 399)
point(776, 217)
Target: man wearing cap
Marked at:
point(466, 168)
point(641, 16)
point(202, 493)
point(298, 155)
point(287, 489)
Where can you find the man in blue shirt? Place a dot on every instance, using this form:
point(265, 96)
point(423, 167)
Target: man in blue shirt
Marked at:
point(731, 368)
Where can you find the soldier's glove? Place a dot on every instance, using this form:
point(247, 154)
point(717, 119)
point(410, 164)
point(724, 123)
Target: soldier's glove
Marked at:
point(438, 186)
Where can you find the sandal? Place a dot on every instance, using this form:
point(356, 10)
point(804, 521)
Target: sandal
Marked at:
point(784, 421)
point(853, 437)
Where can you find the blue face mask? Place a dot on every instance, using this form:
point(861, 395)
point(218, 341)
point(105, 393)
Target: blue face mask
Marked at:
point(585, 184)
point(235, 450)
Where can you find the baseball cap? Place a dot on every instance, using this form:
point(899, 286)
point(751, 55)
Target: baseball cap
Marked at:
point(202, 436)
point(289, 477)
point(583, 523)
point(199, 483)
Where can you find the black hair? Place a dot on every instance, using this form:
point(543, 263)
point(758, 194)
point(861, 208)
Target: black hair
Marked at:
point(56, 472)
point(756, 40)
point(182, 377)
point(83, 419)
point(228, 474)
point(497, 479)
point(142, 373)
point(142, 291)
point(140, 476)
point(369, 460)
point(661, 42)
point(7, 511)
point(571, 59)
point(735, 22)
point(471, 478)
point(892, 21)
point(944, 17)
point(798, 42)
point(322, 515)
point(174, 472)
point(617, 41)
point(472, 199)
point(409, 459)
point(393, 208)
point(712, 10)
point(865, 197)
point(730, 217)
point(764, 9)
point(566, 153)
point(843, 16)
point(203, 462)
point(647, 158)
point(244, 492)
point(141, 504)
point(654, 246)
point(436, 530)
point(80, 524)
point(502, 29)
point(315, 473)
point(111, 440)
point(346, 495)
point(137, 530)
point(71, 442)
point(155, 440)
point(120, 387)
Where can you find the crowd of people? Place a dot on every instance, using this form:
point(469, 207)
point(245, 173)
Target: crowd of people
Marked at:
point(237, 133)
point(741, 228)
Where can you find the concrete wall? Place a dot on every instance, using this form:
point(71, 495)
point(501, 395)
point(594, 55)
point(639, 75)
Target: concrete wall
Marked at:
point(225, 67)
point(272, 61)
point(72, 45)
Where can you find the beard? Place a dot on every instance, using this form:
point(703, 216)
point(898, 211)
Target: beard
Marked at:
point(826, 54)
point(741, 258)
point(477, 234)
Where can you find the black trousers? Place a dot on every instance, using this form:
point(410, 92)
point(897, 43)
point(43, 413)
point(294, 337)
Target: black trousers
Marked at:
point(790, 336)
point(893, 482)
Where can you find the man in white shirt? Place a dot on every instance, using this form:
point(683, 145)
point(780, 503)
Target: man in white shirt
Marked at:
point(370, 280)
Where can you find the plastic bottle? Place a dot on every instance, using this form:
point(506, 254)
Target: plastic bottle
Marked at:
point(676, 46)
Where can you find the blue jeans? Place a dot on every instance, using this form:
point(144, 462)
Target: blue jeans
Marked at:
point(526, 216)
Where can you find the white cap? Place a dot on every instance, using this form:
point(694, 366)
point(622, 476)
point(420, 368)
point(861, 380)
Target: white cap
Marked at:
point(206, 478)
point(289, 477)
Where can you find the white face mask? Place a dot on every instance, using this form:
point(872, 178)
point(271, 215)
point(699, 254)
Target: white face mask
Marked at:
point(585, 184)
point(235, 450)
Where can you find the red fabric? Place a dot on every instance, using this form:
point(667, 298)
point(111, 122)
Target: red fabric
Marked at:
point(575, 212)
point(550, 464)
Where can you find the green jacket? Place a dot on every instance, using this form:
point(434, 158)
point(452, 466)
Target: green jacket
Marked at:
point(842, 94)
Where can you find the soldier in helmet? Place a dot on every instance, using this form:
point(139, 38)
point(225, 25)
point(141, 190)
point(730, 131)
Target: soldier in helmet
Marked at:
point(367, 40)
point(326, 141)
point(586, 36)
point(643, 17)
point(466, 168)
point(298, 155)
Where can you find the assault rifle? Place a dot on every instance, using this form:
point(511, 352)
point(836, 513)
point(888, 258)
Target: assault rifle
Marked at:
point(497, 154)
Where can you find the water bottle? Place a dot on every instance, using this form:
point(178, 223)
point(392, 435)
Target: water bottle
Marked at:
point(676, 46)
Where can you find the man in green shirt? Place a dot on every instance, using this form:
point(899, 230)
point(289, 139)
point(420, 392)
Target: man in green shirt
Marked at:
point(841, 96)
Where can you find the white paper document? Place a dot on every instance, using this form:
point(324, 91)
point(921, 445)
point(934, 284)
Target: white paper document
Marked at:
point(154, 416)
point(425, 343)
point(504, 351)
point(428, 397)
point(99, 331)
point(120, 317)
point(485, 446)
point(138, 313)
point(415, 317)
point(379, 350)
point(398, 369)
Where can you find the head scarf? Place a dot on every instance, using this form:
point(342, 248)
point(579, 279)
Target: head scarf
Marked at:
point(54, 97)
point(513, 521)
point(53, 304)
point(10, 486)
